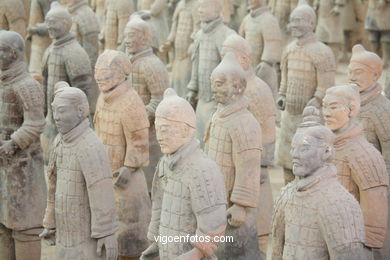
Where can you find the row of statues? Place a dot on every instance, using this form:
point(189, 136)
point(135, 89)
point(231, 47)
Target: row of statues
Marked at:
point(115, 132)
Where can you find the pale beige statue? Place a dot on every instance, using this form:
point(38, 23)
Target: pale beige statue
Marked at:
point(188, 195)
point(233, 141)
point(360, 167)
point(22, 182)
point(308, 69)
point(329, 29)
point(185, 24)
point(80, 211)
point(315, 216)
point(206, 56)
point(262, 31)
point(122, 125)
point(365, 69)
point(13, 17)
point(262, 106)
point(149, 79)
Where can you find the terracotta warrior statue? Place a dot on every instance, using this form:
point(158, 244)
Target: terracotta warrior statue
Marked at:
point(262, 106)
point(12, 16)
point(22, 189)
point(329, 29)
point(378, 26)
point(361, 168)
point(365, 69)
point(262, 31)
point(64, 60)
point(149, 79)
point(205, 57)
point(308, 69)
point(185, 24)
point(315, 216)
point(80, 209)
point(188, 194)
point(38, 33)
point(233, 141)
point(117, 16)
point(122, 125)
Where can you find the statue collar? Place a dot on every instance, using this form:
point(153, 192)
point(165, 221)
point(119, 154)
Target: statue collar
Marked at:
point(117, 91)
point(174, 159)
point(325, 173)
point(370, 94)
point(141, 54)
point(211, 25)
point(239, 104)
point(76, 132)
point(259, 11)
point(12, 74)
point(64, 40)
point(354, 129)
point(72, 8)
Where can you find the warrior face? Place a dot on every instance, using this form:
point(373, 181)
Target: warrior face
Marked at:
point(336, 111)
point(209, 10)
point(300, 24)
point(223, 89)
point(362, 76)
point(66, 115)
point(171, 135)
point(7, 56)
point(56, 27)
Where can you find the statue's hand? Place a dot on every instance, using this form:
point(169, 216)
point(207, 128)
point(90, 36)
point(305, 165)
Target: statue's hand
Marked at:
point(150, 253)
point(335, 11)
point(110, 243)
point(236, 215)
point(8, 147)
point(49, 236)
point(123, 176)
point(164, 48)
point(263, 69)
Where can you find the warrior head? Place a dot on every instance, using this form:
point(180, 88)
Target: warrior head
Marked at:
point(111, 69)
point(228, 80)
point(138, 35)
point(175, 122)
point(340, 106)
point(11, 49)
point(58, 21)
point(311, 149)
point(365, 67)
point(209, 10)
point(241, 48)
point(70, 107)
point(302, 20)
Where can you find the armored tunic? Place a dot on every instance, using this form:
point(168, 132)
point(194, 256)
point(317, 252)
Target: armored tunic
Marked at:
point(64, 60)
point(12, 16)
point(117, 16)
point(233, 141)
point(360, 168)
point(262, 106)
point(185, 24)
point(316, 218)
point(80, 200)
point(329, 28)
point(377, 18)
point(122, 125)
point(22, 183)
point(308, 69)
point(188, 198)
point(150, 80)
point(86, 28)
point(261, 29)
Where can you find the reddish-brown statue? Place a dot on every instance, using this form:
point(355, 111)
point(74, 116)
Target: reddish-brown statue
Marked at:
point(262, 31)
point(22, 189)
point(205, 57)
point(262, 106)
point(361, 168)
point(122, 125)
point(149, 79)
point(80, 210)
point(315, 216)
point(233, 141)
point(188, 195)
point(308, 69)
point(365, 69)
